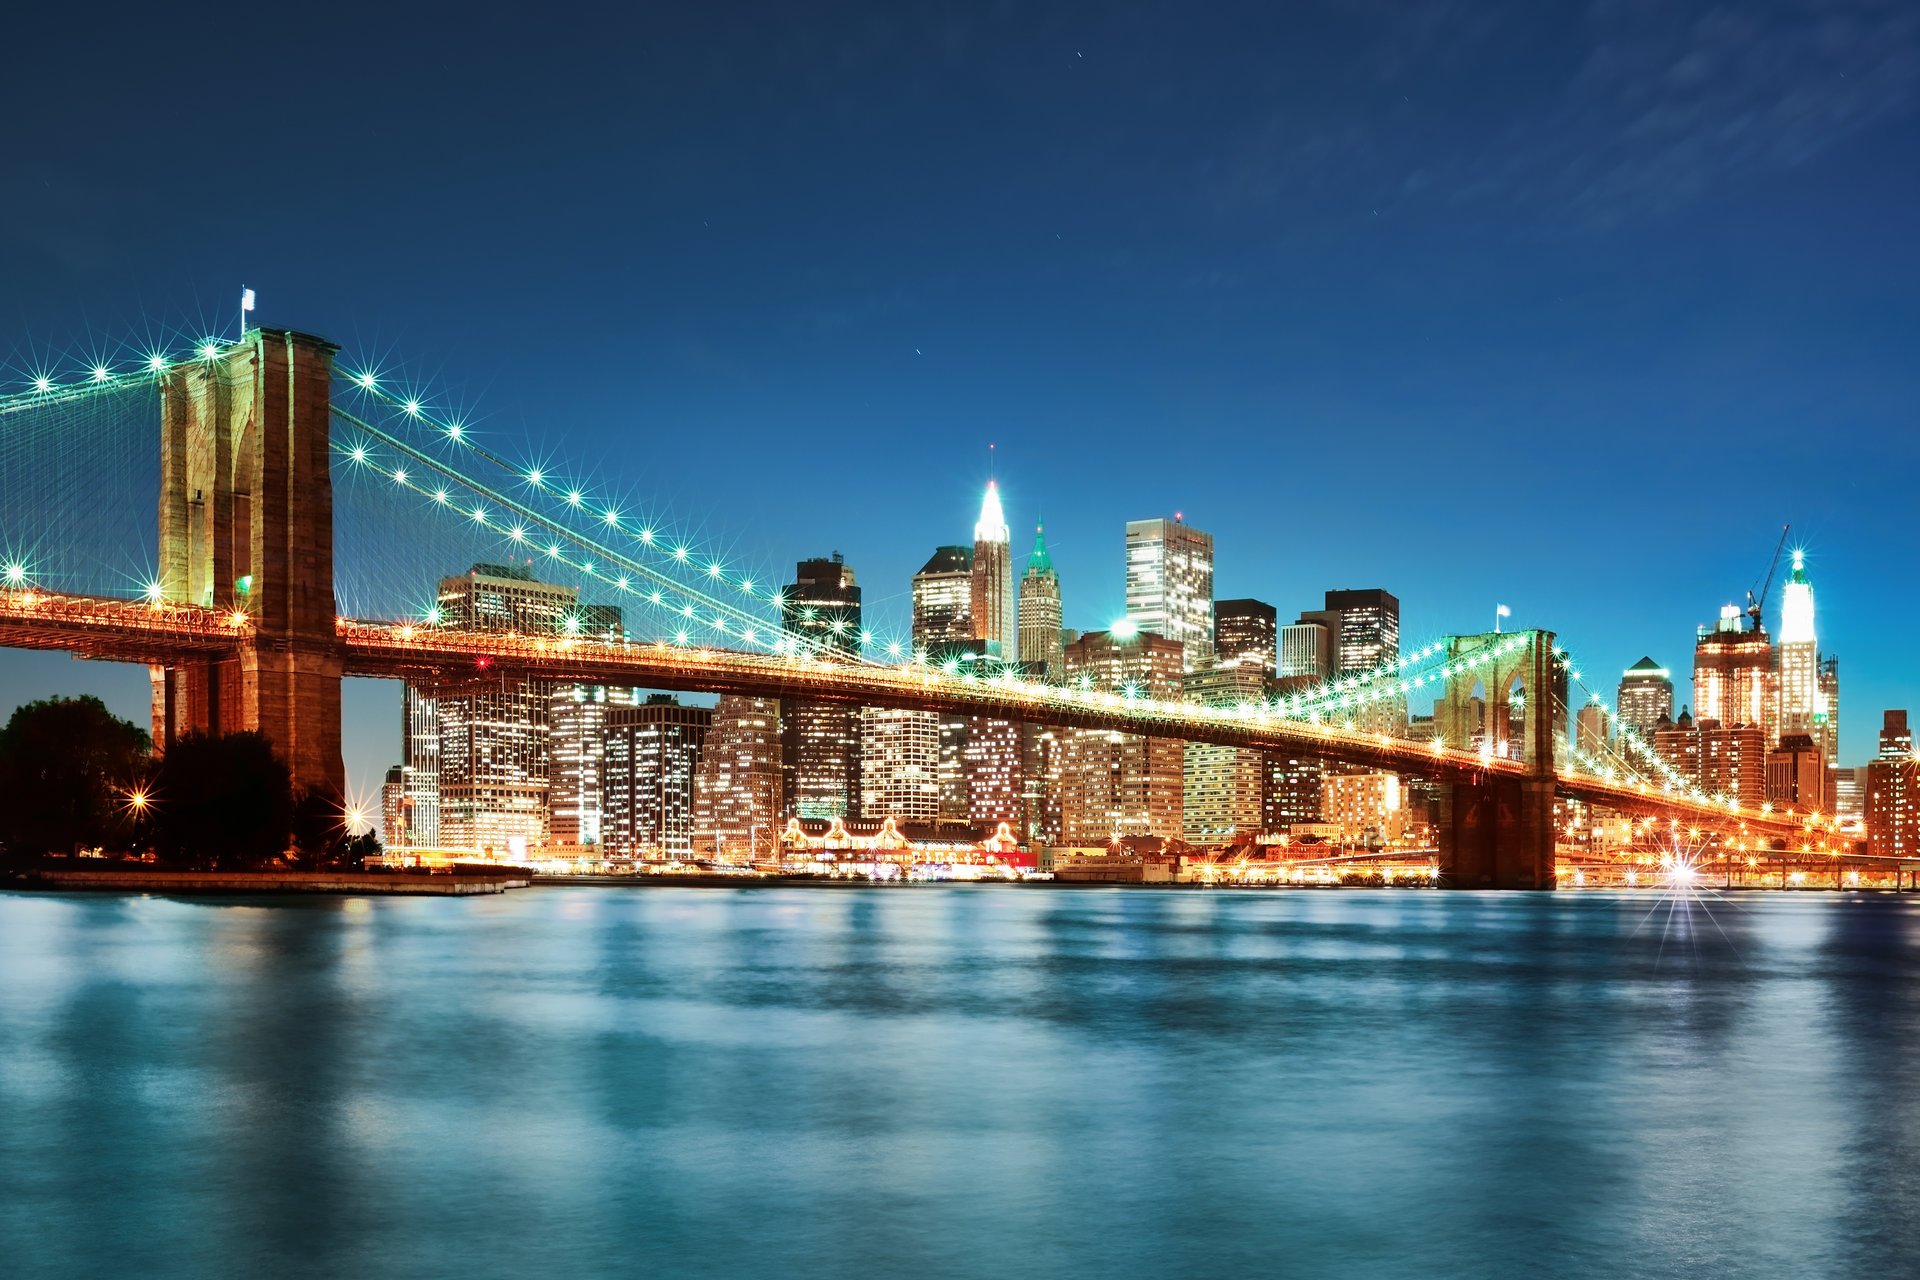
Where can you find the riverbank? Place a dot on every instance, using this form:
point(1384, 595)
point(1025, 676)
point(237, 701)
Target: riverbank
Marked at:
point(121, 880)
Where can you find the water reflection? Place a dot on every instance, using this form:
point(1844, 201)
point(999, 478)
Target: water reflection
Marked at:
point(959, 1082)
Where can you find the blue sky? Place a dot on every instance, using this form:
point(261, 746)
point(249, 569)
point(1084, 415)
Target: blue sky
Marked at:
point(1564, 307)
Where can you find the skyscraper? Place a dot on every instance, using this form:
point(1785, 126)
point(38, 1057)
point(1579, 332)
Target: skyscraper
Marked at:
point(420, 765)
point(737, 786)
point(1369, 630)
point(1893, 792)
point(942, 626)
point(1590, 729)
point(820, 741)
point(578, 719)
point(1170, 585)
point(1306, 650)
point(496, 743)
point(1645, 698)
point(1246, 633)
point(991, 599)
point(1798, 653)
point(652, 758)
point(1222, 787)
point(1119, 784)
point(1733, 674)
point(1040, 611)
point(899, 764)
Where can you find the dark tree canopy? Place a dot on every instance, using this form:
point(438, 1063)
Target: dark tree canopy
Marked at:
point(66, 766)
point(221, 801)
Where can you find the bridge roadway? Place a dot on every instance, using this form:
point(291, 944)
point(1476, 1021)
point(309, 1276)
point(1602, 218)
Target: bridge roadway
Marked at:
point(135, 631)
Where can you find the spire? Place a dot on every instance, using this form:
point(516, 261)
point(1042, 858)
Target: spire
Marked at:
point(1040, 564)
point(1796, 604)
point(993, 522)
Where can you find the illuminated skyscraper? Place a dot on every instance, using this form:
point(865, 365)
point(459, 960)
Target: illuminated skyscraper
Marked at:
point(820, 741)
point(1119, 784)
point(420, 765)
point(1307, 648)
point(990, 762)
point(1369, 630)
point(737, 786)
point(1830, 702)
point(1040, 617)
point(496, 743)
point(1246, 633)
point(899, 764)
point(1590, 729)
point(578, 719)
point(1222, 787)
point(1799, 657)
point(991, 600)
point(1645, 698)
point(393, 808)
point(1893, 792)
point(1733, 674)
point(942, 627)
point(652, 757)
point(1170, 585)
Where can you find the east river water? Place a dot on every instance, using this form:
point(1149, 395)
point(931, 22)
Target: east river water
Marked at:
point(960, 1081)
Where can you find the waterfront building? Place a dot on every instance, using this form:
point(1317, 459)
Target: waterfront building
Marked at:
point(990, 764)
point(1733, 762)
point(820, 741)
point(652, 756)
point(420, 765)
point(1644, 698)
point(578, 724)
point(1223, 787)
point(1041, 644)
point(991, 602)
point(1365, 807)
point(1850, 792)
point(738, 784)
point(393, 808)
point(1246, 634)
point(1733, 679)
point(899, 764)
point(943, 628)
point(1678, 744)
point(1170, 585)
point(1307, 646)
point(1115, 785)
point(1292, 792)
point(1893, 792)
point(495, 765)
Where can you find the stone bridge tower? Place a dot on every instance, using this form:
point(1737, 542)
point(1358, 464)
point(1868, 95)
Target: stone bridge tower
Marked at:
point(1498, 832)
point(246, 525)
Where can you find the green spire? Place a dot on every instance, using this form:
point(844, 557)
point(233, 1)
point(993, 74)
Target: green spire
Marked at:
point(1039, 562)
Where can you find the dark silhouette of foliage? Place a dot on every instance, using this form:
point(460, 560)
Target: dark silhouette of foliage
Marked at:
point(66, 768)
point(321, 832)
point(221, 800)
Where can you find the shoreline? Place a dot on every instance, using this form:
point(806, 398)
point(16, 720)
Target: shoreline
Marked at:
point(210, 883)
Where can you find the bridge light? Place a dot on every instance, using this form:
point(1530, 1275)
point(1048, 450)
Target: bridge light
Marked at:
point(435, 614)
point(153, 591)
point(358, 453)
point(572, 625)
point(100, 373)
point(365, 378)
point(621, 582)
point(16, 573)
point(412, 408)
point(209, 350)
point(518, 533)
point(399, 475)
point(893, 649)
point(679, 637)
point(479, 515)
point(237, 618)
point(440, 495)
point(43, 383)
point(680, 554)
point(574, 497)
point(646, 536)
point(655, 597)
point(455, 431)
point(553, 550)
point(1124, 629)
point(613, 519)
point(533, 477)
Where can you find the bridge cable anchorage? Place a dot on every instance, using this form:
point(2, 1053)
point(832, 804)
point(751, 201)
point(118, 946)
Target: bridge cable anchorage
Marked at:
point(721, 616)
point(576, 502)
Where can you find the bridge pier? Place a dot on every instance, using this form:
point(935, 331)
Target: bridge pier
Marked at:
point(246, 525)
point(1497, 834)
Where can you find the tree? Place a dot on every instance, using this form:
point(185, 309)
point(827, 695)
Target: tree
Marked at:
point(67, 767)
point(323, 833)
point(221, 800)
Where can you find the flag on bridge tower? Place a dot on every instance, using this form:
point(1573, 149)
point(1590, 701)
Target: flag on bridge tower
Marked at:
point(246, 305)
point(1500, 611)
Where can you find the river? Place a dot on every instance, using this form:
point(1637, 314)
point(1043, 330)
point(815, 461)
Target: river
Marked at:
point(961, 1082)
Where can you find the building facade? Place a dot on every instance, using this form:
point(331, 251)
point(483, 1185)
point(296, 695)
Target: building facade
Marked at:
point(1223, 788)
point(820, 741)
point(1644, 698)
point(1170, 585)
point(578, 716)
point(899, 764)
point(991, 599)
point(652, 756)
point(1114, 785)
point(1041, 644)
point(1733, 673)
point(1369, 629)
point(1246, 633)
point(1306, 649)
point(737, 790)
point(1893, 792)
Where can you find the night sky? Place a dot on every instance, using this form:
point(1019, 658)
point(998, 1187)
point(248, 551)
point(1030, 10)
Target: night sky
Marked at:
point(1559, 306)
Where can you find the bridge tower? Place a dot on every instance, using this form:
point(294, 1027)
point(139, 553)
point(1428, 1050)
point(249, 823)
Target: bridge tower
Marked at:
point(246, 524)
point(1497, 832)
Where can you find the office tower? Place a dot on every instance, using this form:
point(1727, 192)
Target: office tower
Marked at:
point(1369, 630)
point(990, 763)
point(1170, 585)
point(737, 784)
point(1366, 807)
point(942, 628)
point(1041, 752)
point(1830, 704)
point(1893, 792)
point(1850, 793)
point(820, 741)
point(1797, 653)
point(1797, 775)
point(1590, 730)
point(1307, 648)
point(1733, 673)
point(899, 764)
point(990, 599)
point(1040, 617)
point(496, 742)
point(1733, 762)
point(1644, 698)
point(393, 808)
point(420, 765)
point(1246, 634)
point(1678, 743)
point(653, 752)
point(943, 600)
point(1293, 787)
point(1222, 788)
point(1117, 784)
point(578, 721)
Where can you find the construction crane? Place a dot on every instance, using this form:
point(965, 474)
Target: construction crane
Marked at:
point(1757, 604)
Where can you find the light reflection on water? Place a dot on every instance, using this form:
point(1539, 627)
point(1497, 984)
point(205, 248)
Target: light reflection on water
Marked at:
point(960, 1082)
